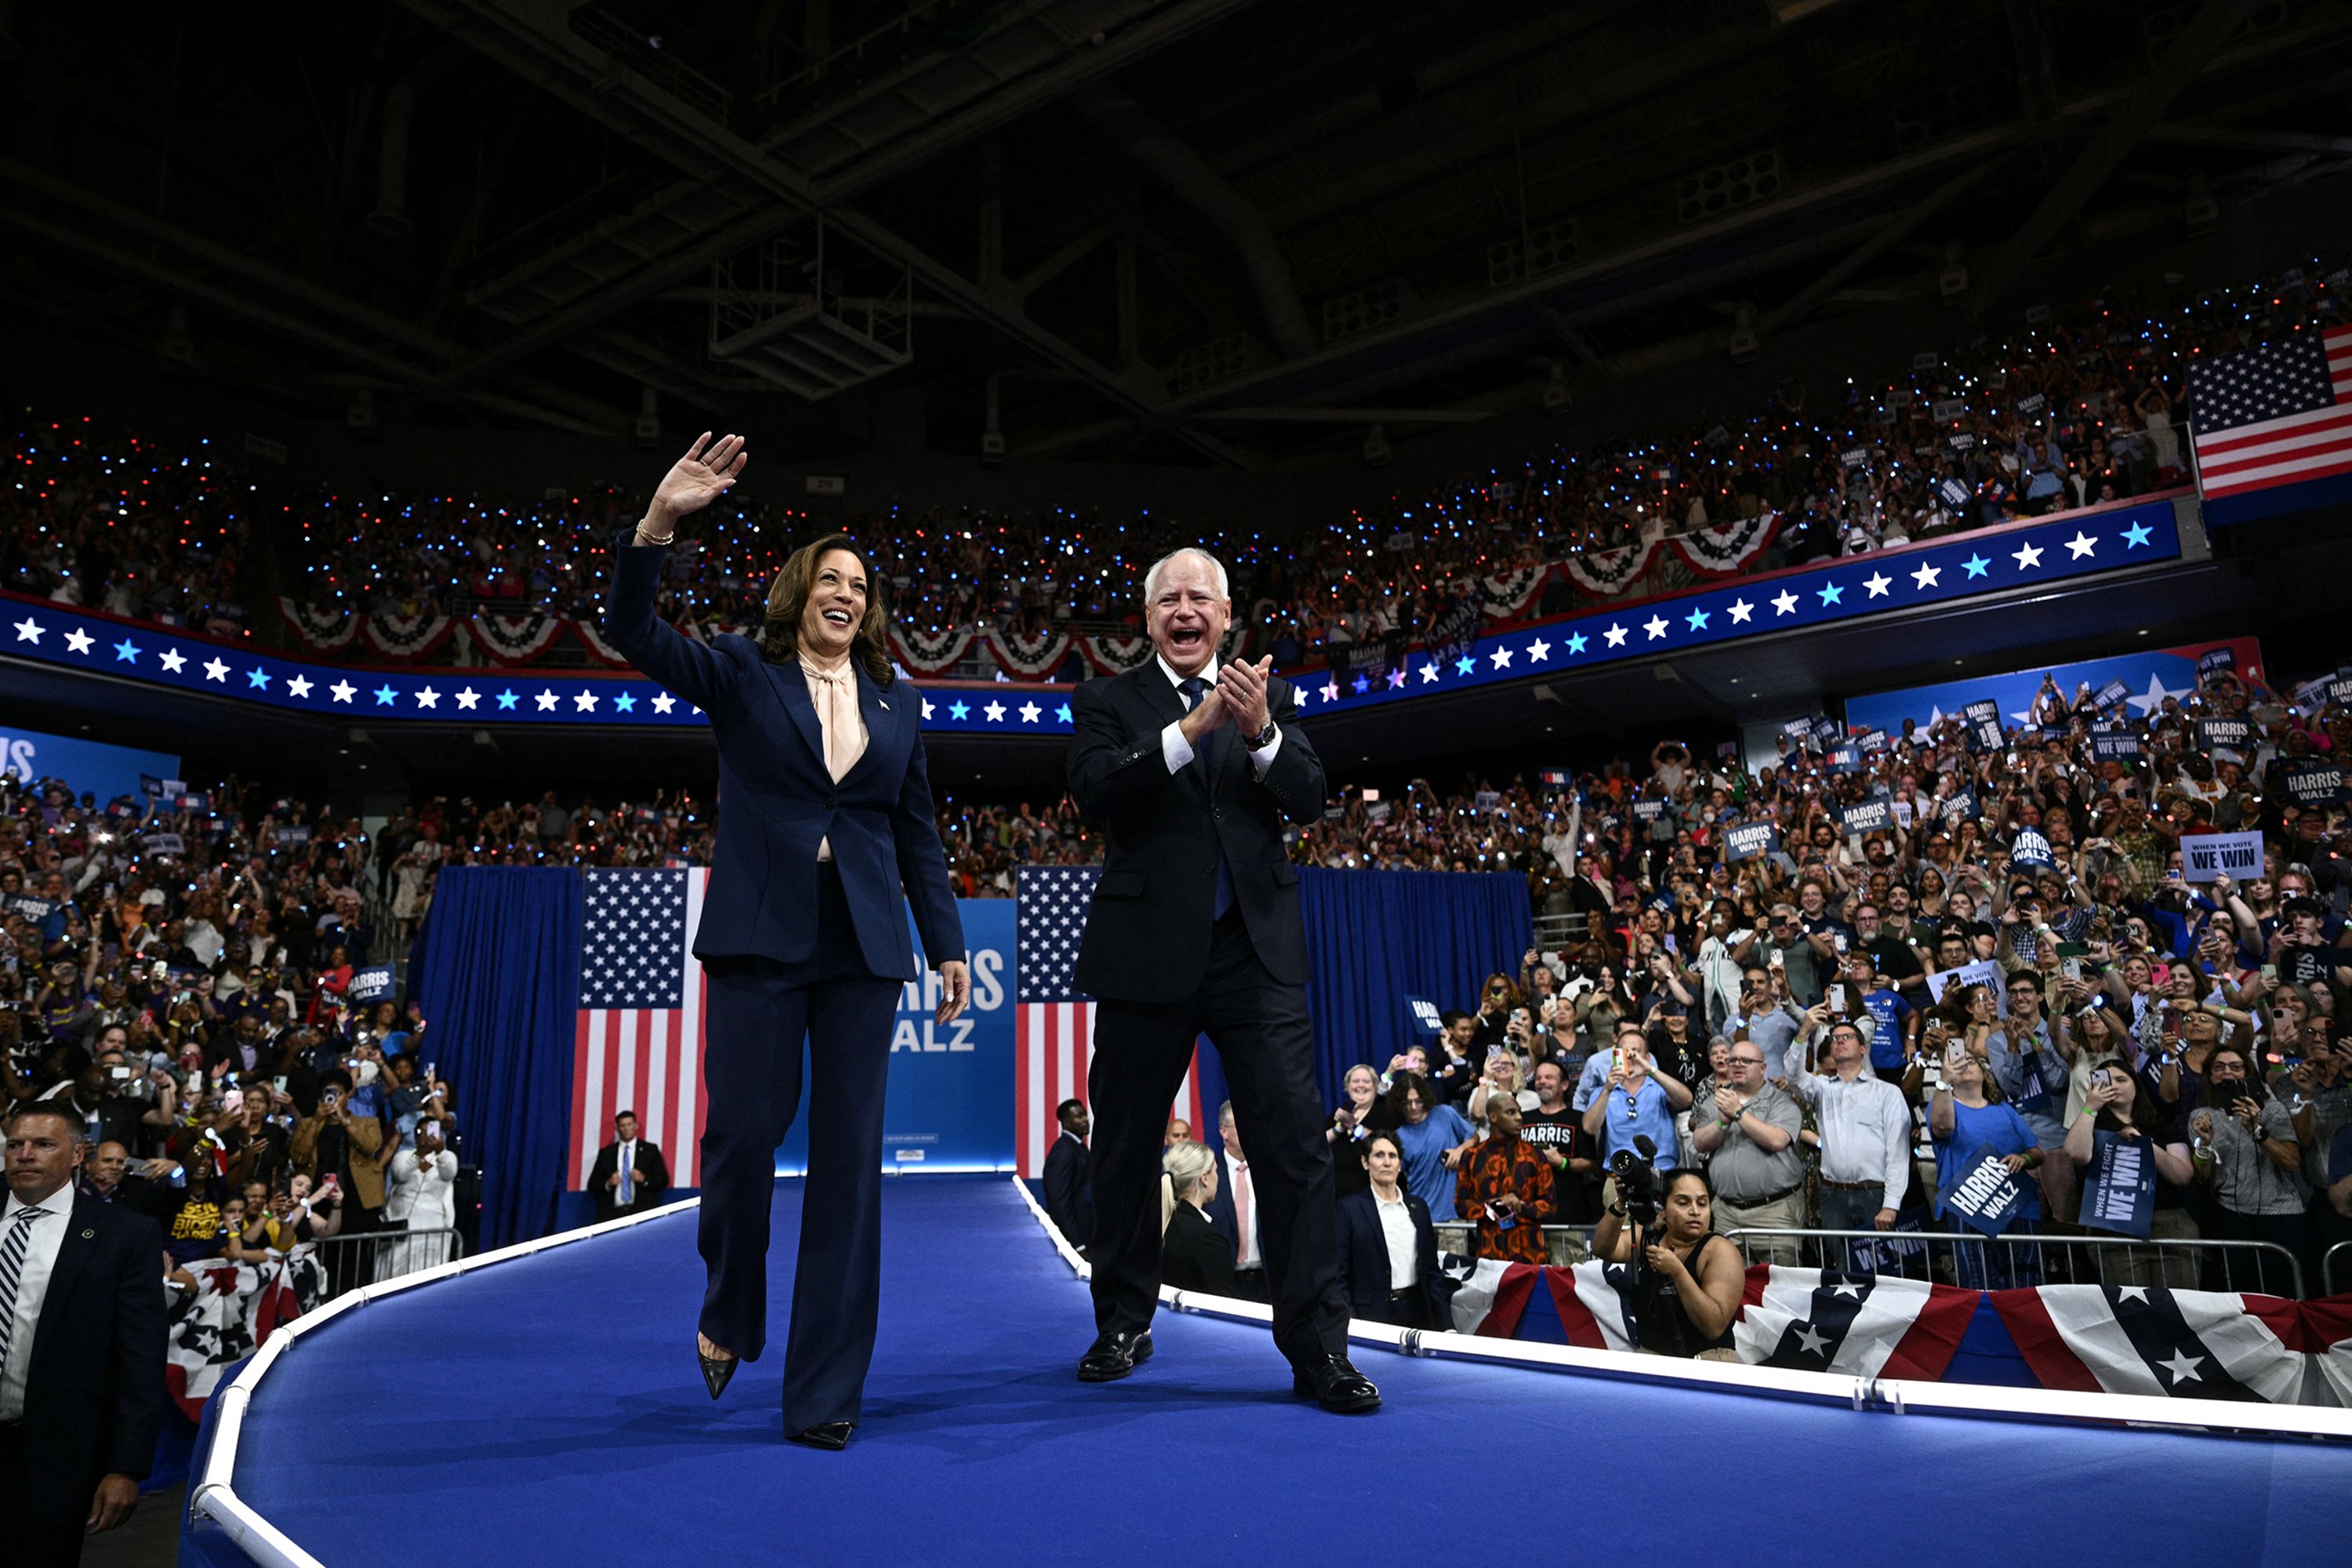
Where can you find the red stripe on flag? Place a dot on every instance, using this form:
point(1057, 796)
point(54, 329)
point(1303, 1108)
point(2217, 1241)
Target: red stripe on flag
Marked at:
point(1576, 1318)
point(1024, 1084)
point(2230, 446)
point(2294, 472)
point(1927, 1346)
point(580, 1154)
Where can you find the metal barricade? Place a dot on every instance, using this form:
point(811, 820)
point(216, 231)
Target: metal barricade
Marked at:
point(370, 1257)
point(1565, 1245)
point(1999, 1262)
point(2336, 1263)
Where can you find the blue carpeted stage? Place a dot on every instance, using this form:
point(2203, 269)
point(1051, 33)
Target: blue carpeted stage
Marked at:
point(547, 1410)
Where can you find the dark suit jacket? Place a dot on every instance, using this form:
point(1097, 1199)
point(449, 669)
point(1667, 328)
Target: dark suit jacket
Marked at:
point(777, 799)
point(94, 1392)
point(1147, 937)
point(1364, 1261)
point(1069, 1190)
point(649, 1191)
point(1194, 1257)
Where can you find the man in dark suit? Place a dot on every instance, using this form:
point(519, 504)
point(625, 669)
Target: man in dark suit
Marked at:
point(82, 1348)
point(629, 1175)
point(1193, 768)
point(1069, 1192)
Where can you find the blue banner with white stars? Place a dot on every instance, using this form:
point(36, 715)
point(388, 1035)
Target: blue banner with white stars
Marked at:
point(1991, 561)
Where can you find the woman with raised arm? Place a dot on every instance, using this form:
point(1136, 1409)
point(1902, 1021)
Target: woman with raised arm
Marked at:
point(825, 817)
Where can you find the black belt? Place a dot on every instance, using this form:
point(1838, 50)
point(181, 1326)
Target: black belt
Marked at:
point(1855, 1186)
point(1759, 1202)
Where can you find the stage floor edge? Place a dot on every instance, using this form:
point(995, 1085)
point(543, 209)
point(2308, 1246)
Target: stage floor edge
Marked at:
point(545, 1409)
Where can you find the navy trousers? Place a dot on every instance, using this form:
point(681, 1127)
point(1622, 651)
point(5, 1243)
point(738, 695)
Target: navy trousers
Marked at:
point(760, 1011)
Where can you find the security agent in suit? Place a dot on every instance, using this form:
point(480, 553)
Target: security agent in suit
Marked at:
point(1193, 768)
point(1379, 1289)
point(647, 1172)
point(82, 1348)
point(1069, 1191)
point(825, 817)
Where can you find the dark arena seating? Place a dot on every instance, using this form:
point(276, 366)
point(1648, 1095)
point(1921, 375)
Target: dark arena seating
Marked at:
point(1806, 541)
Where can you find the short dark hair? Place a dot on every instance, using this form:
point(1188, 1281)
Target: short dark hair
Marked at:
point(1062, 1111)
point(75, 1126)
point(1364, 1150)
point(621, 1116)
point(1451, 1016)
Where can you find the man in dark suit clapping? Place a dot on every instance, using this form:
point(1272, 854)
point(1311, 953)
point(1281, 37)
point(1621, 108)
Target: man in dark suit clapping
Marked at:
point(630, 1174)
point(82, 1348)
point(1193, 768)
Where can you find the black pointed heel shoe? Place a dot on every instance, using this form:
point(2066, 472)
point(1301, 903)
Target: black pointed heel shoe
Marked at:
point(717, 1370)
point(833, 1436)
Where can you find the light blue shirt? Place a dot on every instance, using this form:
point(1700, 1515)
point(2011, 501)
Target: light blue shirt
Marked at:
point(1646, 1113)
point(1424, 1146)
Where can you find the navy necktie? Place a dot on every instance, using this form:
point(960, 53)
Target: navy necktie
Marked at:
point(1194, 689)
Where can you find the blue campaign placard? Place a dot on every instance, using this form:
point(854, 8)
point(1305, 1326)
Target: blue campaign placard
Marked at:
point(950, 1101)
point(2120, 1192)
point(1986, 1197)
point(87, 767)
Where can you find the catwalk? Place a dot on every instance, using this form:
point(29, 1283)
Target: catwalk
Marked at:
point(548, 1411)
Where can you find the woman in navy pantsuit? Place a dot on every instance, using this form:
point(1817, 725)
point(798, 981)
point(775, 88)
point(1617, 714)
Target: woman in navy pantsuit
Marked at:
point(825, 816)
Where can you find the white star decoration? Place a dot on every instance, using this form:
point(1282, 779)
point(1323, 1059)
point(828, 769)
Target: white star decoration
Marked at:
point(584, 702)
point(926, 707)
point(298, 687)
point(2153, 698)
point(664, 702)
point(2081, 545)
point(216, 671)
point(995, 711)
point(1877, 583)
point(546, 700)
point(1616, 635)
point(1656, 626)
point(172, 660)
point(1537, 651)
point(467, 698)
point(2026, 555)
point(1810, 1341)
point(341, 690)
point(2183, 1367)
point(1740, 610)
point(1029, 713)
point(1502, 658)
point(1927, 575)
point(29, 630)
point(80, 641)
point(427, 698)
point(1786, 603)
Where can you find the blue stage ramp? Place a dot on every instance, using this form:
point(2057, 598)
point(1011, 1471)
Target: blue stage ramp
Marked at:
point(547, 1410)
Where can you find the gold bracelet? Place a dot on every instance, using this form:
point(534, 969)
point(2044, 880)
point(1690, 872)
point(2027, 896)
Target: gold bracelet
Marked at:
point(642, 537)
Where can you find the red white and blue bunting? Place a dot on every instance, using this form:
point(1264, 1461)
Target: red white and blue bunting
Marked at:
point(598, 648)
point(322, 628)
point(396, 636)
point(1028, 655)
point(1606, 573)
point(930, 653)
point(1727, 550)
point(1509, 595)
point(514, 639)
point(1115, 654)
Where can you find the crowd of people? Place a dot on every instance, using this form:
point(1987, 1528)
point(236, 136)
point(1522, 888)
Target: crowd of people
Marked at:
point(2070, 411)
point(197, 982)
point(2000, 991)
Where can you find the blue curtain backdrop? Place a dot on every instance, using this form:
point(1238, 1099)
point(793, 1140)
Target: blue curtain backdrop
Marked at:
point(496, 970)
point(1374, 938)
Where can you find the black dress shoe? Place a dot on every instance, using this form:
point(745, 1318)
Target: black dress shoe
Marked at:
point(715, 1371)
point(1113, 1355)
point(830, 1435)
point(1333, 1383)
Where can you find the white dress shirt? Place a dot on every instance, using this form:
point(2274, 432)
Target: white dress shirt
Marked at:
point(1866, 1128)
point(1178, 750)
point(32, 1286)
point(1247, 1253)
point(625, 1157)
point(1404, 1247)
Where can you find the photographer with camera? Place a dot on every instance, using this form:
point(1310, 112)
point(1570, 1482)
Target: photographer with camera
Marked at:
point(1686, 1280)
point(1635, 1100)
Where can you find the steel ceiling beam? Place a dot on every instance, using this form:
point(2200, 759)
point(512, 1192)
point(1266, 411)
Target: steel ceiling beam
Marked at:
point(2193, 51)
point(531, 37)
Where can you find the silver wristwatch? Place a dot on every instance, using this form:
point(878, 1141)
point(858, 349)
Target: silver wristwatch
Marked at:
point(1262, 740)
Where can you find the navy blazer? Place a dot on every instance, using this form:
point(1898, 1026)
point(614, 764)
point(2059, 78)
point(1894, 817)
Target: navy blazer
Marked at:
point(94, 1388)
point(1146, 936)
point(777, 798)
point(1364, 1261)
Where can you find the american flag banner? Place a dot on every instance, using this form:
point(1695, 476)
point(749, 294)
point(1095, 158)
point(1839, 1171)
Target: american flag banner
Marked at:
point(1054, 1025)
point(2274, 425)
point(639, 1042)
